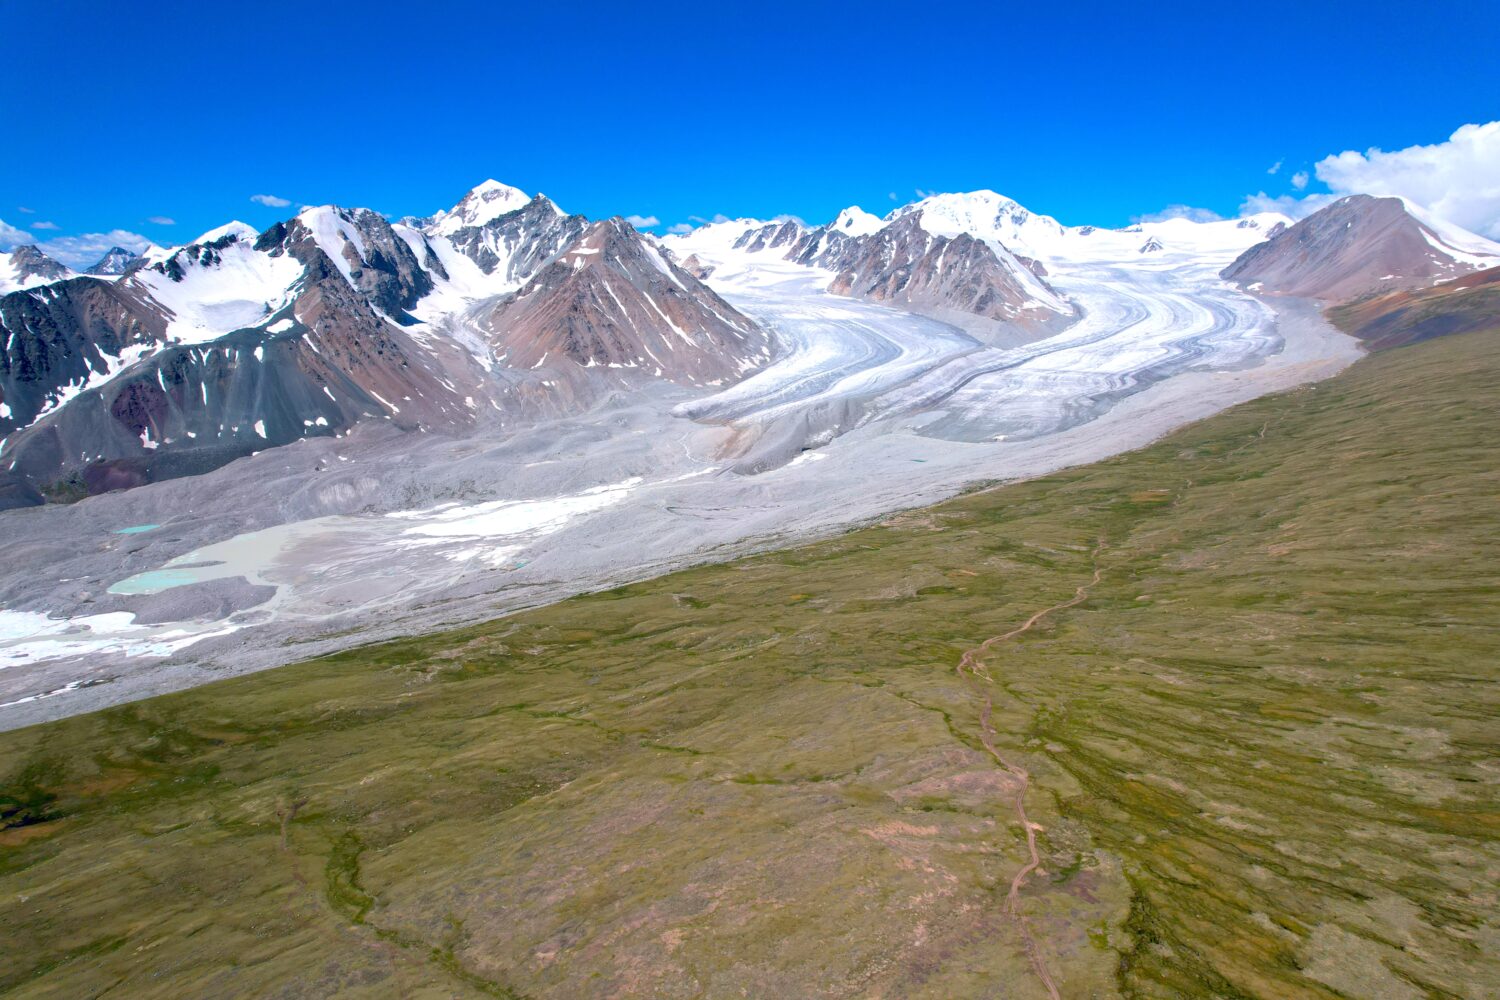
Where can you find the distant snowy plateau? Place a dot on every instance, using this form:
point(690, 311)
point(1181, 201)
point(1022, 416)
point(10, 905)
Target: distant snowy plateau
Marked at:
point(559, 405)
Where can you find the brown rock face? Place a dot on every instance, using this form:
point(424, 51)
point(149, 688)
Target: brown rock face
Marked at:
point(905, 265)
point(613, 300)
point(1356, 246)
point(697, 268)
point(1406, 317)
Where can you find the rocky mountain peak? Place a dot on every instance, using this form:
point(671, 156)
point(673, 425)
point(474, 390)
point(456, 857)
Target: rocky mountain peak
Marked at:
point(30, 262)
point(116, 260)
point(855, 221)
point(483, 203)
point(513, 244)
point(365, 249)
point(613, 299)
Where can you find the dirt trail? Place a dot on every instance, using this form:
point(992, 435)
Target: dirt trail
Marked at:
point(971, 667)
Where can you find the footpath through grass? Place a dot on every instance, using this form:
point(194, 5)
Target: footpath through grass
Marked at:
point(1262, 754)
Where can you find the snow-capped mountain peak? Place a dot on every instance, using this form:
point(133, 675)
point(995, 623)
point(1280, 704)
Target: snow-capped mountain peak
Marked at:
point(485, 202)
point(855, 221)
point(1462, 245)
point(114, 262)
point(155, 254)
point(26, 267)
point(987, 215)
point(244, 232)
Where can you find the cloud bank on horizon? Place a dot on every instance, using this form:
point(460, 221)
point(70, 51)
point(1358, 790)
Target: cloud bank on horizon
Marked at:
point(1457, 180)
point(78, 252)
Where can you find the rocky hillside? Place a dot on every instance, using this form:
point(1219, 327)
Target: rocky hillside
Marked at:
point(905, 265)
point(614, 300)
point(1406, 317)
point(1360, 245)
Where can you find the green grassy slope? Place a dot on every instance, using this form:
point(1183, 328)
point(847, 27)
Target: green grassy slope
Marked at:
point(1262, 755)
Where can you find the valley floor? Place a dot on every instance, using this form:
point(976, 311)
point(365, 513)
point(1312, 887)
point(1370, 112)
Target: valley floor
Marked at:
point(326, 543)
point(1210, 719)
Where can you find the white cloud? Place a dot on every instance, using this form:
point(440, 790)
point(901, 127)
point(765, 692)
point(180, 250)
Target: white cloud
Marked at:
point(1457, 180)
point(162, 220)
point(1286, 204)
point(25, 211)
point(718, 218)
point(44, 225)
point(1180, 212)
point(11, 237)
point(1275, 167)
point(643, 221)
point(924, 194)
point(1299, 180)
point(680, 228)
point(893, 196)
point(269, 200)
point(85, 250)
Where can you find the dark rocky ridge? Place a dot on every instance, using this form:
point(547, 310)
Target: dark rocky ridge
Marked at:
point(905, 265)
point(388, 273)
point(186, 409)
point(60, 334)
point(116, 261)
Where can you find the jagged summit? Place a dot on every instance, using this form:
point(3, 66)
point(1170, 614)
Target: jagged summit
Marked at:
point(987, 215)
point(116, 261)
point(511, 245)
point(27, 266)
point(484, 202)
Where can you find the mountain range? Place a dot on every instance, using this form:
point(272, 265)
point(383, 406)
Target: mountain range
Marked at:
point(505, 308)
point(241, 340)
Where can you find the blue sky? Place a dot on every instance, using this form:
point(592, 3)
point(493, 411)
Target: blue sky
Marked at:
point(117, 114)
